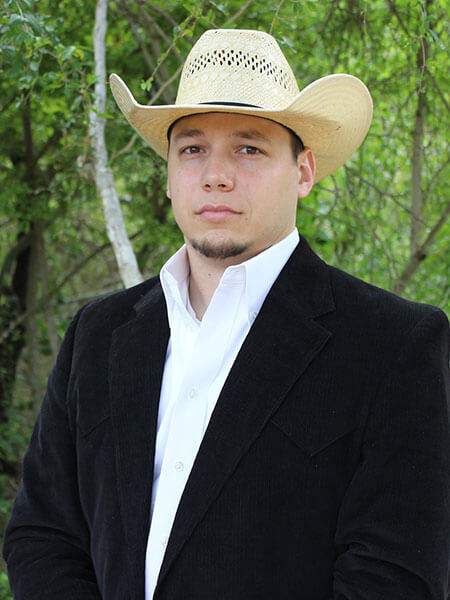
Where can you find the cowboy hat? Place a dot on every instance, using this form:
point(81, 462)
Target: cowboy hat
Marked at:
point(244, 71)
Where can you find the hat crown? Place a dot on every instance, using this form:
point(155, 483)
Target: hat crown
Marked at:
point(237, 66)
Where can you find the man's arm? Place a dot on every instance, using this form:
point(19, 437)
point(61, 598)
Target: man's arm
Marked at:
point(47, 539)
point(395, 518)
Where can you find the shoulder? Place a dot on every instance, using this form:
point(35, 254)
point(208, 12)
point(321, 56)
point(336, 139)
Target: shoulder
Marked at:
point(98, 319)
point(380, 322)
point(120, 305)
point(374, 304)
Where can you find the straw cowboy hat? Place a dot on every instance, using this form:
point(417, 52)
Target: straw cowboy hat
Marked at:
point(243, 71)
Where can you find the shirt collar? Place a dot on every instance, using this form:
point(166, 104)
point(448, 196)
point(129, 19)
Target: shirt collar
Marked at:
point(263, 269)
point(258, 274)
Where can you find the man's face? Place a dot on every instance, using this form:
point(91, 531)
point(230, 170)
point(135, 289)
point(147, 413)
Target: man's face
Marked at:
point(234, 183)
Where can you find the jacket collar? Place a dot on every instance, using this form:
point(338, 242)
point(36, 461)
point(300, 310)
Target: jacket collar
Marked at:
point(281, 344)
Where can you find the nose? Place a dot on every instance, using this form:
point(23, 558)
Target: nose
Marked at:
point(217, 174)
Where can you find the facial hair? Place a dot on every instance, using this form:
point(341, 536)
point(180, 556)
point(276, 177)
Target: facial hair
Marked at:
point(220, 251)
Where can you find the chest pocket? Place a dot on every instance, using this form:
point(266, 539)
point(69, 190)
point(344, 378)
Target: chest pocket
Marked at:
point(316, 427)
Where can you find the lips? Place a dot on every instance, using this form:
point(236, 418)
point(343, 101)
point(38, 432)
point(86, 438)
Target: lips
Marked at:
point(215, 213)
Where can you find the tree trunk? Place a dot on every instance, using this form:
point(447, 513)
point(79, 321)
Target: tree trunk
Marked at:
point(12, 305)
point(34, 283)
point(47, 307)
point(416, 162)
point(104, 177)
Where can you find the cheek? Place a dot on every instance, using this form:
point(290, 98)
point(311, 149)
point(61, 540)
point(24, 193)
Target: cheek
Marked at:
point(181, 182)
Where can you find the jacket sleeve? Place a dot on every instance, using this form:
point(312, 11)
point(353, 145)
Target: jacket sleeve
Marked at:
point(394, 523)
point(47, 540)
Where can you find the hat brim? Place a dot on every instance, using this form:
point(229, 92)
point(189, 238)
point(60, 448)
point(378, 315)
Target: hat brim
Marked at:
point(331, 115)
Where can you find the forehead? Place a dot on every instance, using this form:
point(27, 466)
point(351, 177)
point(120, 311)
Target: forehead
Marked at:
point(230, 124)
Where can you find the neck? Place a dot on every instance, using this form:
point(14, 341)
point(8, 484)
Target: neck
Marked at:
point(205, 277)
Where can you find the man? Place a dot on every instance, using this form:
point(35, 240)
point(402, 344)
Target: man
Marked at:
point(253, 424)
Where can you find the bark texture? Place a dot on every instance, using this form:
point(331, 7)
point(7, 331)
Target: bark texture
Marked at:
point(104, 178)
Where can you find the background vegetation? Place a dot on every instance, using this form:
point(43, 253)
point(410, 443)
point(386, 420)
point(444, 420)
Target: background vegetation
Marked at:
point(383, 217)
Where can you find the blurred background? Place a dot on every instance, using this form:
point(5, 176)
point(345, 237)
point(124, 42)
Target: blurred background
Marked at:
point(83, 209)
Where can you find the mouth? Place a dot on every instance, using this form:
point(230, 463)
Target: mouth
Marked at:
point(213, 213)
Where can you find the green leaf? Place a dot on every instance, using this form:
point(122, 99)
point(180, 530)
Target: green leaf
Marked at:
point(34, 23)
point(435, 37)
point(67, 52)
point(147, 84)
point(15, 19)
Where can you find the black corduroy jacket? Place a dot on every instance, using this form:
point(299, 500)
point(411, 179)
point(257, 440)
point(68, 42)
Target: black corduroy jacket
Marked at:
point(323, 473)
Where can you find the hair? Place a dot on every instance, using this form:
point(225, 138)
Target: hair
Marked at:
point(297, 145)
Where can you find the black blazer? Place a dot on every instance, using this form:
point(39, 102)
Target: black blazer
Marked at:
point(323, 474)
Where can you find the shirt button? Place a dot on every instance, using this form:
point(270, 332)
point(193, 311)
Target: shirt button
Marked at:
point(178, 466)
point(164, 542)
point(192, 393)
point(253, 315)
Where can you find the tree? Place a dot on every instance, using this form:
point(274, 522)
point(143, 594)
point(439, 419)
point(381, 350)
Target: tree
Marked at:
point(383, 217)
point(37, 147)
point(104, 177)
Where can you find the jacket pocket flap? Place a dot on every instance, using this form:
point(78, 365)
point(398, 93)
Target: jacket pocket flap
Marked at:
point(314, 431)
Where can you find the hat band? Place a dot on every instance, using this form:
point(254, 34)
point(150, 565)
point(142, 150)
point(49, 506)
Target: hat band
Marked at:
point(218, 104)
point(232, 104)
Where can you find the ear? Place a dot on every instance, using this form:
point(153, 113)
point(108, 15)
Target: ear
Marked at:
point(306, 165)
point(168, 191)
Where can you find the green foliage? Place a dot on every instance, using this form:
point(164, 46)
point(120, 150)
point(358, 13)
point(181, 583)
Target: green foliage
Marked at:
point(5, 593)
point(14, 437)
point(359, 219)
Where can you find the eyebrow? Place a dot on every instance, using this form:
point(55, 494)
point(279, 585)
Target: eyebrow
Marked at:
point(188, 133)
point(252, 134)
point(248, 134)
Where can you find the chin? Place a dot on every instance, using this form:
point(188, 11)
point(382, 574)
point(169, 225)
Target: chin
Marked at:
point(219, 250)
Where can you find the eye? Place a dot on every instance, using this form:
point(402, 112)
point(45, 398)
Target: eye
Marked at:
point(191, 150)
point(250, 150)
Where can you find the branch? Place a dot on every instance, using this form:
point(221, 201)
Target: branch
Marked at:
point(125, 149)
point(421, 252)
point(45, 299)
point(168, 17)
point(274, 20)
point(435, 176)
point(157, 52)
point(28, 139)
point(133, 138)
point(164, 86)
point(130, 17)
point(399, 19)
point(366, 223)
point(436, 228)
point(154, 24)
point(416, 160)
point(48, 144)
point(92, 296)
point(382, 193)
point(14, 252)
point(238, 13)
point(438, 89)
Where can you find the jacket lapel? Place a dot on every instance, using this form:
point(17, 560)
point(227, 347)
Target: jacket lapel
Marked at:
point(137, 359)
point(279, 347)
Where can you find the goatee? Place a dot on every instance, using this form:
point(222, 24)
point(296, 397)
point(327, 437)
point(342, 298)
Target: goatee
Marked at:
point(218, 251)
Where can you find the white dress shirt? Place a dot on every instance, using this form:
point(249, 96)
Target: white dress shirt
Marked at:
point(199, 357)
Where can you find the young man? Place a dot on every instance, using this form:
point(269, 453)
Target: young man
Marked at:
point(252, 423)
